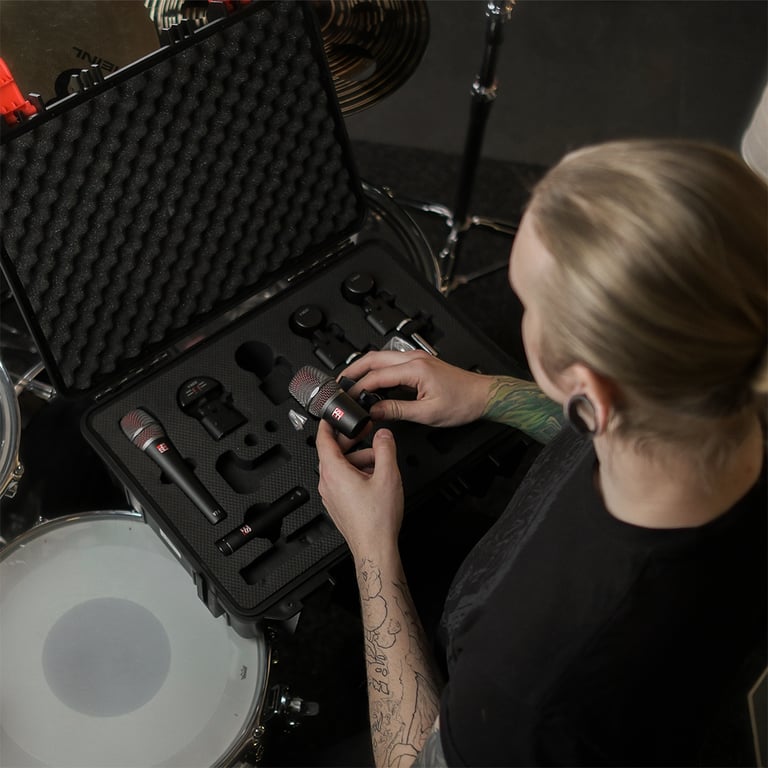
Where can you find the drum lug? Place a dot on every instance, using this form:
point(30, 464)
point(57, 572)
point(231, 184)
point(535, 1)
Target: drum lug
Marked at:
point(13, 482)
point(291, 709)
point(254, 752)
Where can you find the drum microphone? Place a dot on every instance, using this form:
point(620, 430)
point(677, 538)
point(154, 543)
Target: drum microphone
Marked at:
point(260, 518)
point(322, 396)
point(146, 433)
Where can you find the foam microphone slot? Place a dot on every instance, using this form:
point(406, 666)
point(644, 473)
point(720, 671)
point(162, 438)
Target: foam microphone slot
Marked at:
point(259, 570)
point(246, 475)
point(272, 372)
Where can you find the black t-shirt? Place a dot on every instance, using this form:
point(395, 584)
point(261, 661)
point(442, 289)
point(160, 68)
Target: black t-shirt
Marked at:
point(573, 638)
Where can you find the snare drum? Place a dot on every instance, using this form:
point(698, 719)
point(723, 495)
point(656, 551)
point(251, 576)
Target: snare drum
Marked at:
point(108, 657)
point(10, 430)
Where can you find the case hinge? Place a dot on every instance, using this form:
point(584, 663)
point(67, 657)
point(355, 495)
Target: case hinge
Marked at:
point(86, 78)
point(129, 378)
point(177, 32)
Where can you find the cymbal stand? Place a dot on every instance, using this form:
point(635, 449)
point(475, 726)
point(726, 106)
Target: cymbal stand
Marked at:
point(459, 220)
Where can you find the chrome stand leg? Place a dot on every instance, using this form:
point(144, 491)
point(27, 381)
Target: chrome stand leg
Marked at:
point(458, 220)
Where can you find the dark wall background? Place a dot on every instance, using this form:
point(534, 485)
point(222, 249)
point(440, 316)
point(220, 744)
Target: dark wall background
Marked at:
point(573, 72)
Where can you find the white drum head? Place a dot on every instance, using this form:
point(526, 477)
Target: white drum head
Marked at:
point(108, 657)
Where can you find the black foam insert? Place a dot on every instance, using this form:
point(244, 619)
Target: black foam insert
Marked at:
point(267, 456)
point(134, 212)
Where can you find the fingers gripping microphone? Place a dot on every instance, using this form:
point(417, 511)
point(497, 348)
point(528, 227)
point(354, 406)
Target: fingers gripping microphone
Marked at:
point(146, 433)
point(325, 399)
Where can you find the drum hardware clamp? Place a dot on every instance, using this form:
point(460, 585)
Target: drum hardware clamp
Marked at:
point(291, 709)
point(13, 481)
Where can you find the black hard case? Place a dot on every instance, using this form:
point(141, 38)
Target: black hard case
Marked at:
point(164, 224)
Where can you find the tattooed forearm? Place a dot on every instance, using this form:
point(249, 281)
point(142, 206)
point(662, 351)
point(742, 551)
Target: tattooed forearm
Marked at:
point(402, 686)
point(521, 404)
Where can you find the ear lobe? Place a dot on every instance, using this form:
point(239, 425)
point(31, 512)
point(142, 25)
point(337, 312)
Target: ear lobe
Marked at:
point(585, 384)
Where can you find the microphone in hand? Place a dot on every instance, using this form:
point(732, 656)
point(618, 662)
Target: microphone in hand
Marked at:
point(324, 398)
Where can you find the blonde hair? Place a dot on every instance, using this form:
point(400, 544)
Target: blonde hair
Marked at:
point(661, 279)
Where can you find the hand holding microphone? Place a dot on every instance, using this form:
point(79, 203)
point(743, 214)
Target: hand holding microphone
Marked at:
point(322, 396)
point(146, 433)
point(421, 388)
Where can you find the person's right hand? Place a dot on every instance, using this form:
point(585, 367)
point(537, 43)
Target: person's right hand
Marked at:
point(445, 396)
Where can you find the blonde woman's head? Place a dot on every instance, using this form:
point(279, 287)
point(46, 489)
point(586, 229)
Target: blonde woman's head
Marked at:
point(660, 280)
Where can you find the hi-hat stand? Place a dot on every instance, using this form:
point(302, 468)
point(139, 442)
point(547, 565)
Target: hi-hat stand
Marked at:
point(459, 219)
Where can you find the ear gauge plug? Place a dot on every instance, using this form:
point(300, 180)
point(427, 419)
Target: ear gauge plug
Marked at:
point(581, 415)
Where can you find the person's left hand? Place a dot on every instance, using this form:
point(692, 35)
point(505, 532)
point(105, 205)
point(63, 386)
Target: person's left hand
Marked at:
point(362, 491)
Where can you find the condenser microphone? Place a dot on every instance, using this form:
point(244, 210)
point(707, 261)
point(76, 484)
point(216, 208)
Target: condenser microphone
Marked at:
point(322, 396)
point(147, 434)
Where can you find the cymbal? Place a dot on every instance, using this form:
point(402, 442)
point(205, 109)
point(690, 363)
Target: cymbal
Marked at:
point(372, 46)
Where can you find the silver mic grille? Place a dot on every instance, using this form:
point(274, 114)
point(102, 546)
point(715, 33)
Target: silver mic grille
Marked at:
point(312, 388)
point(140, 427)
point(324, 394)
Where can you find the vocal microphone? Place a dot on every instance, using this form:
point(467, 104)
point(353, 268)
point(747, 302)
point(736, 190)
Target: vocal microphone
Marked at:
point(322, 396)
point(146, 433)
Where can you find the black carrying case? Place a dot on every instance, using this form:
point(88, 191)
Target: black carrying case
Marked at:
point(163, 226)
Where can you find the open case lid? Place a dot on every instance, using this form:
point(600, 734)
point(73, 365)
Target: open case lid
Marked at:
point(162, 196)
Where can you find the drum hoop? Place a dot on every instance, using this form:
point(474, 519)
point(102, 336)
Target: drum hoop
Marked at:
point(10, 423)
point(38, 529)
point(250, 734)
point(411, 238)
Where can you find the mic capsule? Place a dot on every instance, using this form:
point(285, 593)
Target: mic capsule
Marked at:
point(320, 399)
point(140, 427)
point(305, 384)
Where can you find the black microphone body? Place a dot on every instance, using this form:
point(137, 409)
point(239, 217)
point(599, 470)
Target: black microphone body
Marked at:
point(146, 433)
point(258, 520)
point(324, 398)
point(344, 413)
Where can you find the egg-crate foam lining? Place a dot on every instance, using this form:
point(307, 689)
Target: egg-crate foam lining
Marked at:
point(134, 213)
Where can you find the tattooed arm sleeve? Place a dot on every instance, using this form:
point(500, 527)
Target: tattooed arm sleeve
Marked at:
point(403, 697)
point(521, 404)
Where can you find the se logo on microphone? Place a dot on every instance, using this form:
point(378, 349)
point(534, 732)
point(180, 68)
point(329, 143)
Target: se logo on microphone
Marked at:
point(337, 413)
